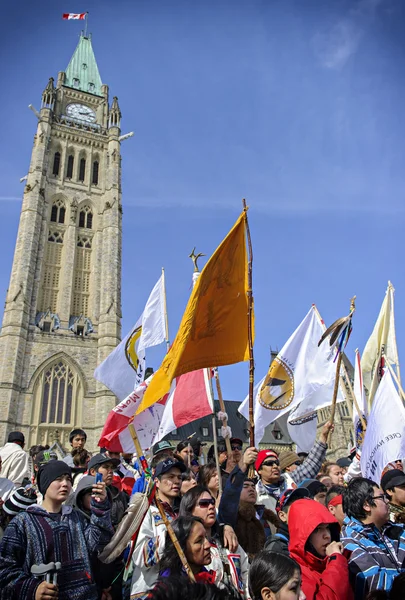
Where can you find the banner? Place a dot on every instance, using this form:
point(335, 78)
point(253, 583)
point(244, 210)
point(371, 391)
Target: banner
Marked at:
point(189, 399)
point(301, 372)
point(214, 327)
point(124, 369)
point(384, 440)
point(382, 341)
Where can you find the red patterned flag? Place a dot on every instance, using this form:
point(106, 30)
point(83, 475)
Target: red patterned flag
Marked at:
point(75, 16)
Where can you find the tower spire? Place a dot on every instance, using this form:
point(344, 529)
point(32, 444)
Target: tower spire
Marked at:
point(82, 72)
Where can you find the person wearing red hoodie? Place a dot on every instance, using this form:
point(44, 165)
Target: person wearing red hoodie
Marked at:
point(314, 544)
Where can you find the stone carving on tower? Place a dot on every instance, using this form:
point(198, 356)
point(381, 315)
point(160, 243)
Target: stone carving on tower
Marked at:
point(66, 273)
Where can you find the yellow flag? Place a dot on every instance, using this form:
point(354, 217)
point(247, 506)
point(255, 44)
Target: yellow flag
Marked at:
point(214, 328)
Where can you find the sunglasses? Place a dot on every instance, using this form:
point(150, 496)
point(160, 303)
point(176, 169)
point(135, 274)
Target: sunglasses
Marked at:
point(236, 447)
point(206, 502)
point(271, 463)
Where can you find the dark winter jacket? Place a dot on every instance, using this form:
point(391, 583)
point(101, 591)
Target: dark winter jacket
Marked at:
point(322, 578)
point(35, 537)
point(249, 530)
point(120, 501)
point(104, 574)
point(377, 556)
point(278, 542)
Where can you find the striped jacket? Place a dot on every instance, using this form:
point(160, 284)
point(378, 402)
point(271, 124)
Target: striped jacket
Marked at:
point(35, 537)
point(376, 556)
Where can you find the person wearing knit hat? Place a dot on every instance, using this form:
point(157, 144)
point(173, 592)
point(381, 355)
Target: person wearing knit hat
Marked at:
point(289, 461)
point(273, 483)
point(59, 533)
point(20, 500)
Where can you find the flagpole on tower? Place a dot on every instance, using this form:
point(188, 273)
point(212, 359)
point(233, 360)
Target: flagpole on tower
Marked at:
point(250, 328)
point(85, 24)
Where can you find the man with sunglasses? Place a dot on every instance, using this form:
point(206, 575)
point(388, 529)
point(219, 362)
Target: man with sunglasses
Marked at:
point(231, 461)
point(152, 533)
point(376, 544)
point(393, 484)
point(273, 483)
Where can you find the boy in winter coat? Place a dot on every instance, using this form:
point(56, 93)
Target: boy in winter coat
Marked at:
point(54, 533)
point(108, 577)
point(314, 544)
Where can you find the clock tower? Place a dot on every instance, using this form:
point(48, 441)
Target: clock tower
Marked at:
point(62, 313)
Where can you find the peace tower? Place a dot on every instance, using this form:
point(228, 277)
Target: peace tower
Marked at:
point(62, 313)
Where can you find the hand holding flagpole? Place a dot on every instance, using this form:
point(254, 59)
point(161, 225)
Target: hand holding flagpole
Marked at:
point(339, 333)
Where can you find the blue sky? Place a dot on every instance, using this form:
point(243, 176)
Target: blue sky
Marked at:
point(296, 105)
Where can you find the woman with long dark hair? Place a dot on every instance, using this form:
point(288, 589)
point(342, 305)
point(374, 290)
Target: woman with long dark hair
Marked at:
point(192, 538)
point(275, 576)
point(208, 477)
point(230, 568)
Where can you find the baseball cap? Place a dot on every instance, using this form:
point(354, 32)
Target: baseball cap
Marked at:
point(160, 446)
point(263, 454)
point(344, 462)
point(196, 443)
point(170, 463)
point(290, 495)
point(101, 459)
point(392, 478)
point(314, 486)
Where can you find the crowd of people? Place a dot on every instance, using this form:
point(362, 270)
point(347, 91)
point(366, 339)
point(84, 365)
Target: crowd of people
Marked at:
point(255, 525)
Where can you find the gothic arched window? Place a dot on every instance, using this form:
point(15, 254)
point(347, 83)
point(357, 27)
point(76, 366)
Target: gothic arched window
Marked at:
point(86, 218)
point(58, 212)
point(57, 401)
point(69, 170)
point(94, 178)
point(56, 163)
point(82, 169)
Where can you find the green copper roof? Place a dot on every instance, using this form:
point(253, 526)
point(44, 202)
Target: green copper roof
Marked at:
point(82, 71)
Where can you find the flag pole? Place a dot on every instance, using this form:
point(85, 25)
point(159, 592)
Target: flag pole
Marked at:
point(85, 24)
point(165, 311)
point(161, 510)
point(222, 407)
point(339, 333)
point(250, 328)
point(347, 382)
point(215, 441)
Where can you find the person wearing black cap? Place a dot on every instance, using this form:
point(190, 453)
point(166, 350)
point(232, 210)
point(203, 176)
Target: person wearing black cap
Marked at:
point(150, 543)
point(393, 485)
point(15, 461)
point(101, 463)
point(278, 542)
point(55, 532)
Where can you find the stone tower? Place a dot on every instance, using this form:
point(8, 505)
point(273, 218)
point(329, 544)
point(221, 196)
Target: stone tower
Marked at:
point(62, 313)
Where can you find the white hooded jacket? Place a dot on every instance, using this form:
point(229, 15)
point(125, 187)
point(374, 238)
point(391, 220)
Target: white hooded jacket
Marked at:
point(15, 463)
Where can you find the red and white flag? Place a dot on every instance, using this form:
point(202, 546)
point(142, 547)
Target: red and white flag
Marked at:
point(74, 16)
point(189, 399)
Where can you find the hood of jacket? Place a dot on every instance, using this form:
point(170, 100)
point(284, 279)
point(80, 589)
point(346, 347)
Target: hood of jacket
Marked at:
point(303, 518)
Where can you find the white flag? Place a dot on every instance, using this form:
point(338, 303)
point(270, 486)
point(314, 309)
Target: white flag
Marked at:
point(124, 369)
point(301, 371)
point(381, 341)
point(360, 394)
point(303, 431)
point(384, 440)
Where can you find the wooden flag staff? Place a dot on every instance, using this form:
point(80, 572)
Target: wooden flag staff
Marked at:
point(223, 410)
point(160, 508)
point(250, 328)
point(339, 333)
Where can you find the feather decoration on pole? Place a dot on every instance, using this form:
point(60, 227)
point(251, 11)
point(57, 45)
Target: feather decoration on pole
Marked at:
point(339, 333)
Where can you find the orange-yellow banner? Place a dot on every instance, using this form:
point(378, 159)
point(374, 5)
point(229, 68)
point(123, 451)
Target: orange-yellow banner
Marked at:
point(214, 328)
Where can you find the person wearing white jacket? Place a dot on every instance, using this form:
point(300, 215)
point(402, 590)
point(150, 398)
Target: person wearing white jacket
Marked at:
point(152, 534)
point(15, 461)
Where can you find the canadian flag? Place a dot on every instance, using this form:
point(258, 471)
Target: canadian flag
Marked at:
point(189, 399)
point(74, 16)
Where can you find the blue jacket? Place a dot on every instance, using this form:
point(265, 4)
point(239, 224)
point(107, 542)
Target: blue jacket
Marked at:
point(377, 556)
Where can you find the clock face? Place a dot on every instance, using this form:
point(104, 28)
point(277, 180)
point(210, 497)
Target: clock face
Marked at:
point(81, 113)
